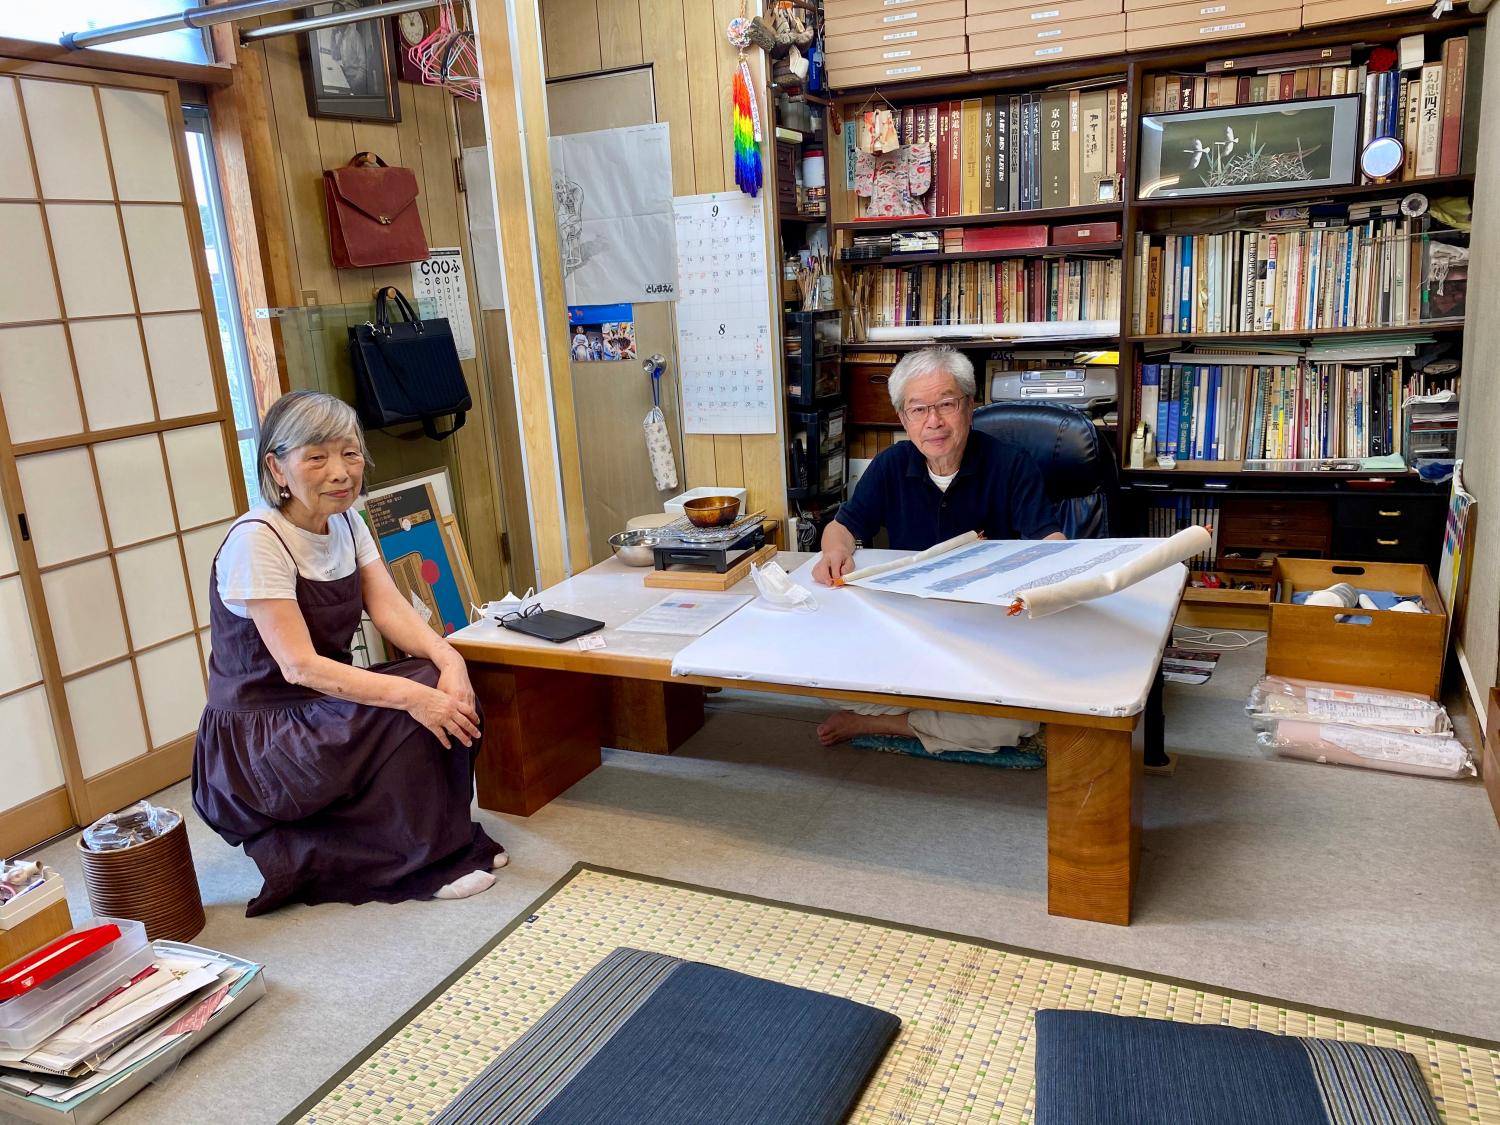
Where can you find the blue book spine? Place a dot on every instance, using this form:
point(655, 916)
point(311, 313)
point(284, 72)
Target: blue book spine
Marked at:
point(1185, 286)
point(1174, 412)
point(1185, 422)
point(1348, 281)
point(1211, 429)
point(1150, 396)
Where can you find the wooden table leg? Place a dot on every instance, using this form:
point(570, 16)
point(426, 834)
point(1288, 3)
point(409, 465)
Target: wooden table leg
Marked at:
point(542, 732)
point(1093, 822)
point(652, 717)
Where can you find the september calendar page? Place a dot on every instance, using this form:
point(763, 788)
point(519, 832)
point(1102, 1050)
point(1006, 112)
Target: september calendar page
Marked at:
point(724, 350)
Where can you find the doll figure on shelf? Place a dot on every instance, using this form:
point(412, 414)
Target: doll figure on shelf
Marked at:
point(895, 181)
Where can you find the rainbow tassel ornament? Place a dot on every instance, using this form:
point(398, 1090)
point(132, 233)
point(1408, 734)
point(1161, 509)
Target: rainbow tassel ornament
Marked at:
point(747, 135)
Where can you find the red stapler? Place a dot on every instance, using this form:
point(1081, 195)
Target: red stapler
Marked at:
point(57, 957)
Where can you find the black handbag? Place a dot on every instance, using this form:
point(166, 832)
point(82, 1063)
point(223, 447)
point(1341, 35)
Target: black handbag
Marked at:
point(407, 370)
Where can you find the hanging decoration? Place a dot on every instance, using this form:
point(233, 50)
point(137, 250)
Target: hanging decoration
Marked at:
point(746, 119)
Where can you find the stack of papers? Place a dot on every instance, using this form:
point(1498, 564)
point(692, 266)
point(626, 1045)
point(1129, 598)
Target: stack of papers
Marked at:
point(174, 998)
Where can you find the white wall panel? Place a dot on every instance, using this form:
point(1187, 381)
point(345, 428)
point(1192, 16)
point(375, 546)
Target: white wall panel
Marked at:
point(16, 181)
point(134, 484)
point(140, 144)
point(112, 372)
point(62, 505)
point(64, 123)
point(180, 366)
point(84, 608)
point(160, 258)
point(18, 660)
point(27, 291)
point(36, 383)
point(32, 766)
point(200, 480)
point(106, 718)
point(156, 597)
point(200, 547)
point(172, 686)
point(90, 259)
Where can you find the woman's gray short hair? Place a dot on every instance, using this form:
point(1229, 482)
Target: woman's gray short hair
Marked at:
point(301, 418)
point(940, 360)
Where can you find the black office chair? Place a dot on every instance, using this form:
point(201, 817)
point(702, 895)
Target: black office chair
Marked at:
point(1081, 478)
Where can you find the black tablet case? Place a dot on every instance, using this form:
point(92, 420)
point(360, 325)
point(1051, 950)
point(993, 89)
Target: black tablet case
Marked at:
point(553, 625)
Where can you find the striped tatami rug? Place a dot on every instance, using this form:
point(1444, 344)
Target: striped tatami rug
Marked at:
point(965, 1050)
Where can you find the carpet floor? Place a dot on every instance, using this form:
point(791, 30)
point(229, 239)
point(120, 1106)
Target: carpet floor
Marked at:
point(966, 1050)
point(1344, 889)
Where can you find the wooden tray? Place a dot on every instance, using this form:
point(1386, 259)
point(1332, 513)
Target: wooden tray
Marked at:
point(689, 578)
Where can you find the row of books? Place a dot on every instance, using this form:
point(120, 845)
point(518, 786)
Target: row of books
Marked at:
point(1272, 407)
point(1004, 292)
point(1168, 515)
point(1021, 152)
point(1377, 269)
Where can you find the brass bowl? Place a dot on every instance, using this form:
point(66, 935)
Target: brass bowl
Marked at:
point(712, 511)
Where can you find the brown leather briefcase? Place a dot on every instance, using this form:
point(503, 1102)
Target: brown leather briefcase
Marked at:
point(372, 214)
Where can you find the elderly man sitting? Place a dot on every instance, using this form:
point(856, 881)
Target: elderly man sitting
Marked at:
point(943, 482)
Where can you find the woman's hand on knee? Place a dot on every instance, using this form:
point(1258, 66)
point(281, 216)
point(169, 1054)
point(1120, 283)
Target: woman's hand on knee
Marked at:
point(453, 681)
point(446, 717)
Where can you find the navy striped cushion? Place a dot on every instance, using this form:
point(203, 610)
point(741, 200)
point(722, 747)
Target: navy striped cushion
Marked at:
point(646, 1038)
point(1093, 1068)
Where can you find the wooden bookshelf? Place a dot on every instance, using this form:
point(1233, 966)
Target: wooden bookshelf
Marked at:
point(1455, 324)
point(1037, 216)
point(1108, 249)
point(1354, 192)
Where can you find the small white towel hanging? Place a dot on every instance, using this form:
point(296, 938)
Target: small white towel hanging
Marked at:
point(658, 440)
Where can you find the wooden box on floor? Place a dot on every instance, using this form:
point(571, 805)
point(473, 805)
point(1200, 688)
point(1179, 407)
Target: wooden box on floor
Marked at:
point(1379, 649)
point(34, 931)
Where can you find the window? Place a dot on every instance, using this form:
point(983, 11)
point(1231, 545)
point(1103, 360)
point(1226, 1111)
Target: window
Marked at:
point(226, 301)
point(49, 22)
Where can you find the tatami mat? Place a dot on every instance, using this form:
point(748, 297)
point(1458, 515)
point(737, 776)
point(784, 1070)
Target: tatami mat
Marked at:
point(965, 1050)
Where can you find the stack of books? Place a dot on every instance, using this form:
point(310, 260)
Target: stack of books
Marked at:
point(1364, 266)
point(1276, 406)
point(1021, 152)
point(1003, 292)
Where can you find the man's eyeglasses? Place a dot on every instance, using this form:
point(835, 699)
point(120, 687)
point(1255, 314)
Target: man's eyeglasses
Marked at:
point(530, 611)
point(945, 407)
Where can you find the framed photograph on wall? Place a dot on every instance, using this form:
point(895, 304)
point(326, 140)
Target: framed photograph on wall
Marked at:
point(347, 69)
point(1303, 144)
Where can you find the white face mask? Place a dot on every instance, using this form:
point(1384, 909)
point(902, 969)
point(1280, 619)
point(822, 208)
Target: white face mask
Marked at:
point(778, 591)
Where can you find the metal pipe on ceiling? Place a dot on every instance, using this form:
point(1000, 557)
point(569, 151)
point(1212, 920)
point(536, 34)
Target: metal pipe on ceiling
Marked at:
point(191, 18)
point(313, 23)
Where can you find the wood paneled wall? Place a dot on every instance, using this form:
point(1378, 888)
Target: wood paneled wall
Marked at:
point(693, 66)
point(315, 341)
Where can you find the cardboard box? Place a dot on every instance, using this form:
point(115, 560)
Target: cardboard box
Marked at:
point(1029, 54)
point(1317, 12)
point(1113, 26)
point(1083, 234)
point(899, 35)
point(1199, 11)
point(893, 53)
point(35, 930)
point(908, 71)
point(1380, 649)
point(851, 22)
point(1208, 31)
point(1030, 15)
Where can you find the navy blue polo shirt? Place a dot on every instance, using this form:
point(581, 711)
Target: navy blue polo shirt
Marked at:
point(998, 491)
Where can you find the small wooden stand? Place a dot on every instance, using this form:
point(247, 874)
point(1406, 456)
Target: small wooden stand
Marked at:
point(691, 579)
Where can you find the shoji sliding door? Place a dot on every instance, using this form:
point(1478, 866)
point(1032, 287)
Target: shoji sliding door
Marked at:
point(120, 469)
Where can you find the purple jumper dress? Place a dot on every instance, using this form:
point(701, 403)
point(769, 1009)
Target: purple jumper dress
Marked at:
point(335, 801)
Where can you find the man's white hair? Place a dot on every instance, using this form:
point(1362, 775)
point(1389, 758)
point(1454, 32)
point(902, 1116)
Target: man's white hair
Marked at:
point(940, 360)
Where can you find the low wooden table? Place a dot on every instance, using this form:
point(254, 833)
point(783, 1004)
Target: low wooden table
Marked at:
point(549, 708)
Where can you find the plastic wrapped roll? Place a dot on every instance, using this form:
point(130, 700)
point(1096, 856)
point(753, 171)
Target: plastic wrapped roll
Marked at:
point(1274, 699)
point(1425, 755)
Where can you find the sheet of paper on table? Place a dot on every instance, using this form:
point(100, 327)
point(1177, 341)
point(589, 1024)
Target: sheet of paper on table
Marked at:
point(1041, 576)
point(685, 615)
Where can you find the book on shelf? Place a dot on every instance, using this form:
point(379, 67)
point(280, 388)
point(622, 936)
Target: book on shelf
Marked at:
point(984, 292)
point(999, 153)
point(1229, 407)
point(1364, 265)
point(1431, 108)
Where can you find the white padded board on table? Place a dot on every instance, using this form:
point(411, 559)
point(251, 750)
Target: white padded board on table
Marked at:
point(1099, 658)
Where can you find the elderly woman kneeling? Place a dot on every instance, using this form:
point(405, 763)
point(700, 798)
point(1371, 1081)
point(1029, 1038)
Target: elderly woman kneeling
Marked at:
point(343, 784)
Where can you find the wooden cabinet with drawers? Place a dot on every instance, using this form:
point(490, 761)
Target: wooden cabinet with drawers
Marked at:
point(1301, 527)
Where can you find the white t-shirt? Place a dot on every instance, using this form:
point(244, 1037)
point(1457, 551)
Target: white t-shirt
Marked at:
point(941, 482)
point(253, 563)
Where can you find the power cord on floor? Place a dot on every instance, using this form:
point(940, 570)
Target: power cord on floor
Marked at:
point(1181, 634)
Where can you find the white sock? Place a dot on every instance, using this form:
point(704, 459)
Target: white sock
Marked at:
point(467, 886)
point(500, 861)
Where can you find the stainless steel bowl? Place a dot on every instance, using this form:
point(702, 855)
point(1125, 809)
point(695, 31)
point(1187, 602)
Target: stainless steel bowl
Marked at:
point(634, 548)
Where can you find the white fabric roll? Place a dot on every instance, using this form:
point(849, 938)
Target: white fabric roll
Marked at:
point(659, 446)
point(1045, 600)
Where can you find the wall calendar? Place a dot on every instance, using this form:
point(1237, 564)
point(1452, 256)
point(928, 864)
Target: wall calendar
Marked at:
point(725, 356)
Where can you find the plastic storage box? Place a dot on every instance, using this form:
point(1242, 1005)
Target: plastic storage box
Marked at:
point(28, 1019)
